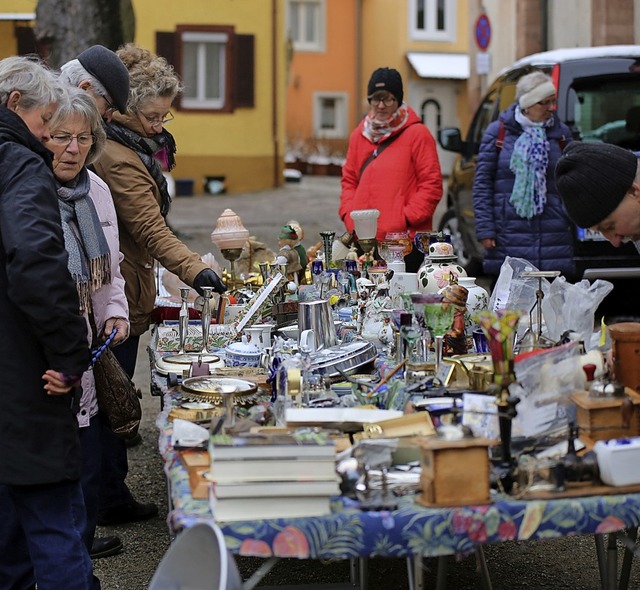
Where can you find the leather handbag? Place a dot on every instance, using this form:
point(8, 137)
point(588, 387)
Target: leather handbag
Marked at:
point(118, 398)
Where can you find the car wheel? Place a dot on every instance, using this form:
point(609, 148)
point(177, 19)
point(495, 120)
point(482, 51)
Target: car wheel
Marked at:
point(449, 225)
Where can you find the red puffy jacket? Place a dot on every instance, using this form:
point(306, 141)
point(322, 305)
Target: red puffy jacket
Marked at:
point(404, 182)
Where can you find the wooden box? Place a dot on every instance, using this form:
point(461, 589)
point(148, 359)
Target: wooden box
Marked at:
point(197, 463)
point(600, 418)
point(454, 472)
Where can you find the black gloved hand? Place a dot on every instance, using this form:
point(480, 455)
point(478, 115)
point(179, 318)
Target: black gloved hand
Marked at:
point(208, 278)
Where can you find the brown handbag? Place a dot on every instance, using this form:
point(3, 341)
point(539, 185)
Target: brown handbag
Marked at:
point(118, 398)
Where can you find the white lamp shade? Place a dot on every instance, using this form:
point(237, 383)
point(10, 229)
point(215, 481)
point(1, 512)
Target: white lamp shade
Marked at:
point(365, 223)
point(229, 232)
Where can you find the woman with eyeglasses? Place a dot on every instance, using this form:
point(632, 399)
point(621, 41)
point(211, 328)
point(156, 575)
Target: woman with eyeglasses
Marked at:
point(43, 350)
point(90, 230)
point(392, 165)
point(518, 211)
point(142, 201)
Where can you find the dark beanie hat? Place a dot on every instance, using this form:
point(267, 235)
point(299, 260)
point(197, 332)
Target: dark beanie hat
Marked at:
point(386, 79)
point(104, 65)
point(593, 178)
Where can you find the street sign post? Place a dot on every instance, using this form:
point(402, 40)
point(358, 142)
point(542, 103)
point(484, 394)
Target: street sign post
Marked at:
point(482, 32)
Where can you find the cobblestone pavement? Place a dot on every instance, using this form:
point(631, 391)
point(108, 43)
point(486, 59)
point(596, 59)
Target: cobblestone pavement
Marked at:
point(549, 565)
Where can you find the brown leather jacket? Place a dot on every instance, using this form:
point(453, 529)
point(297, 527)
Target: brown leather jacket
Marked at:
point(144, 234)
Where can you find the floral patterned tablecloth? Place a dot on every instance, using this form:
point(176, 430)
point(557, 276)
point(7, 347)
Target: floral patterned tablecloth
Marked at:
point(410, 530)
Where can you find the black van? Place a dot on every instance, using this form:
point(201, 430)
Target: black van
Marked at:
point(599, 99)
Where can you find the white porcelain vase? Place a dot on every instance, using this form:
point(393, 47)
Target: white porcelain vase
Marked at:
point(477, 300)
point(435, 273)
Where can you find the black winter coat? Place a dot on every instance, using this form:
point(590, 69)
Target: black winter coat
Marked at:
point(39, 317)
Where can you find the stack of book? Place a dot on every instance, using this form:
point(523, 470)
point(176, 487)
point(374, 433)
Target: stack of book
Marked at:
point(271, 476)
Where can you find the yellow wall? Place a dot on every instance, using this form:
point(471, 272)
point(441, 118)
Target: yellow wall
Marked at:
point(8, 42)
point(333, 70)
point(238, 145)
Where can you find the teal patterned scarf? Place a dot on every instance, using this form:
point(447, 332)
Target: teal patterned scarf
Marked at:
point(529, 163)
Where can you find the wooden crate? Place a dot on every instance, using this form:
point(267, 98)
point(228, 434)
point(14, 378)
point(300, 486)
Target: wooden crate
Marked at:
point(454, 472)
point(600, 418)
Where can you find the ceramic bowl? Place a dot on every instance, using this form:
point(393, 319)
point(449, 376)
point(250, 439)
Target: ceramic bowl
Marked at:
point(241, 354)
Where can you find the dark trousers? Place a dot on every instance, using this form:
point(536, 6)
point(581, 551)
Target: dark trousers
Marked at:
point(41, 538)
point(90, 476)
point(113, 490)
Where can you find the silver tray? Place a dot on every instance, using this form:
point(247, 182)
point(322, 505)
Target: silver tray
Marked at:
point(346, 357)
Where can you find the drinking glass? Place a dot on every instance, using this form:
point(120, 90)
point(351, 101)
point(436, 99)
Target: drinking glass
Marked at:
point(438, 318)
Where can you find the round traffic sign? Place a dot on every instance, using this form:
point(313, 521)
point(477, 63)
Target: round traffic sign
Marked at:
point(483, 31)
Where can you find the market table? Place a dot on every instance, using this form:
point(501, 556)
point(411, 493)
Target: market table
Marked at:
point(411, 531)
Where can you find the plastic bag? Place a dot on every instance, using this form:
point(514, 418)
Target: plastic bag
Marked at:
point(571, 306)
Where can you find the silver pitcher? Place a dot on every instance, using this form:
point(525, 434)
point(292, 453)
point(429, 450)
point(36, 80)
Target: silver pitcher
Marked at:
point(316, 315)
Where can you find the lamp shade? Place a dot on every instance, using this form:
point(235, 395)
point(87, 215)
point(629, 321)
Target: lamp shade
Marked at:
point(229, 232)
point(365, 222)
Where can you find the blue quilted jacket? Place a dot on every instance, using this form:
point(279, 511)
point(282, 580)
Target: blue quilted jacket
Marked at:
point(545, 240)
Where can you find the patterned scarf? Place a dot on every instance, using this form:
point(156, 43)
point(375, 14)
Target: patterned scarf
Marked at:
point(145, 148)
point(529, 163)
point(377, 131)
point(89, 254)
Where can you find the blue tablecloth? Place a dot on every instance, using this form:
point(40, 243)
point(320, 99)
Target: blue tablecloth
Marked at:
point(409, 530)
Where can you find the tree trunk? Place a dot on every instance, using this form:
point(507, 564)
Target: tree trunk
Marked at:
point(64, 28)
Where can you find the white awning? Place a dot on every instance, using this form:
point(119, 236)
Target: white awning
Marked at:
point(17, 15)
point(440, 65)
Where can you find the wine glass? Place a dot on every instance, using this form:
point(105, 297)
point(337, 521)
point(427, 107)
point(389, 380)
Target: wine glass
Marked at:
point(438, 316)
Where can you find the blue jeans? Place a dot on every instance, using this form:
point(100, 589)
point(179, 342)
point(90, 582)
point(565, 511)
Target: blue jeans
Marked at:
point(41, 538)
point(114, 491)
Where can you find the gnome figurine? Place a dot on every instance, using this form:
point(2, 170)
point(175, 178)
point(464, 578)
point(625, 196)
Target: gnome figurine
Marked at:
point(287, 255)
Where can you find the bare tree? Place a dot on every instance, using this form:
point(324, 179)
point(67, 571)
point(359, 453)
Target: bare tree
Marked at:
point(64, 28)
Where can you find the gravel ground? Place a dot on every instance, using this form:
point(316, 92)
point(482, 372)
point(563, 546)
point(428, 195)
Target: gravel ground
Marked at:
point(567, 563)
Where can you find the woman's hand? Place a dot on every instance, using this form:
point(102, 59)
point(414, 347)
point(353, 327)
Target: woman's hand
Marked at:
point(123, 330)
point(488, 243)
point(58, 383)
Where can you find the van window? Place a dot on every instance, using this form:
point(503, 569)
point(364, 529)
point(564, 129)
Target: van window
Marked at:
point(486, 113)
point(606, 110)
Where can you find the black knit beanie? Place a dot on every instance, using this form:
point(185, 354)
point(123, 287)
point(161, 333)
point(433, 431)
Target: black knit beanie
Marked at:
point(593, 178)
point(386, 79)
point(104, 65)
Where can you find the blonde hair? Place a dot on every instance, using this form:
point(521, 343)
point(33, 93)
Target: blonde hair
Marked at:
point(150, 76)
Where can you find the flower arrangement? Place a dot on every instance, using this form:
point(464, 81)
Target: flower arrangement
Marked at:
point(499, 327)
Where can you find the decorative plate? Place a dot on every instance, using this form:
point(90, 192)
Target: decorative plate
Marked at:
point(213, 389)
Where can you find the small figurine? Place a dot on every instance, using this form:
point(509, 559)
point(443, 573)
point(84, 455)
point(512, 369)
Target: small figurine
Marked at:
point(287, 255)
point(455, 340)
point(300, 249)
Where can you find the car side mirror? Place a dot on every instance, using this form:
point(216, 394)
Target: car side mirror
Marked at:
point(450, 139)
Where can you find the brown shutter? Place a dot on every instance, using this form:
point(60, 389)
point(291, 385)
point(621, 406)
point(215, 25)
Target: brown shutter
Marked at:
point(243, 72)
point(166, 47)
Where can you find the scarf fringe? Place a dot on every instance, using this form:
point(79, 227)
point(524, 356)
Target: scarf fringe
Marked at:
point(100, 271)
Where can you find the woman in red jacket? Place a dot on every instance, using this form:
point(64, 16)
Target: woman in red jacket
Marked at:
point(404, 183)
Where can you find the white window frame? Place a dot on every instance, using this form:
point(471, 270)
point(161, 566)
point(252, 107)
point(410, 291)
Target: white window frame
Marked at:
point(430, 33)
point(320, 25)
point(202, 38)
point(340, 131)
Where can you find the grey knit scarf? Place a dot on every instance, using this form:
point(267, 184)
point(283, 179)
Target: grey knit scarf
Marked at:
point(89, 254)
point(145, 148)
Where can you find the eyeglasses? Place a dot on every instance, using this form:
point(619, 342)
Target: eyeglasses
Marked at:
point(388, 101)
point(157, 121)
point(83, 139)
point(111, 107)
point(547, 102)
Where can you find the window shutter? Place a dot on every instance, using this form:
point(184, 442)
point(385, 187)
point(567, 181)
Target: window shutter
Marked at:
point(166, 47)
point(26, 41)
point(244, 72)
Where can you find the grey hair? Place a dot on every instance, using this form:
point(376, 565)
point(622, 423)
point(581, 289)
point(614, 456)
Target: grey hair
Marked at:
point(530, 81)
point(73, 73)
point(150, 76)
point(38, 86)
point(82, 104)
